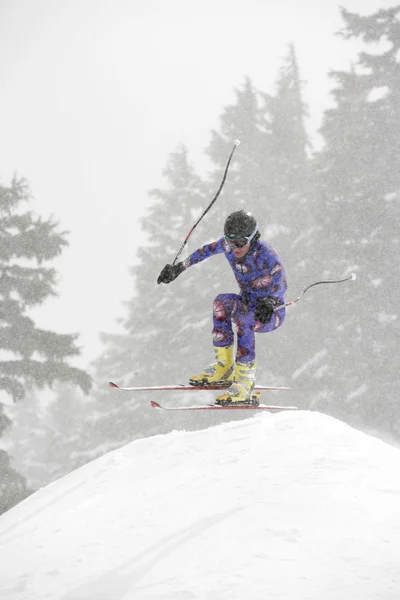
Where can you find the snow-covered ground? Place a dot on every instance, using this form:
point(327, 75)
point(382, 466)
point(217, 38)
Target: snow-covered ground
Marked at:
point(293, 506)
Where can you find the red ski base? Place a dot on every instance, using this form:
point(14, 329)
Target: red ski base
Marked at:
point(191, 388)
point(228, 407)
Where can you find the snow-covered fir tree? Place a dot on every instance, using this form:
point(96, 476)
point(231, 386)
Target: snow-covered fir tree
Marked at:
point(359, 179)
point(30, 356)
point(271, 178)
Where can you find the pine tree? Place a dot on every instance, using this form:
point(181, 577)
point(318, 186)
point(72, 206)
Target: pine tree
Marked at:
point(285, 118)
point(13, 487)
point(161, 320)
point(246, 185)
point(48, 440)
point(294, 224)
point(163, 312)
point(36, 356)
point(167, 331)
point(30, 356)
point(359, 178)
point(271, 178)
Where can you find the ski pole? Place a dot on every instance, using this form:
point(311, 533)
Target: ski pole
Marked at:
point(352, 276)
point(236, 143)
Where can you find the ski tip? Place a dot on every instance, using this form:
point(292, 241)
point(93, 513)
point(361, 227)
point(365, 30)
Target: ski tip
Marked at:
point(113, 385)
point(353, 276)
point(155, 404)
point(236, 142)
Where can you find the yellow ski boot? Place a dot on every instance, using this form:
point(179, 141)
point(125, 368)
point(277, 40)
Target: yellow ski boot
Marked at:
point(241, 390)
point(219, 372)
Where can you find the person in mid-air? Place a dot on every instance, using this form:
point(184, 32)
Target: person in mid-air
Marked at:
point(262, 282)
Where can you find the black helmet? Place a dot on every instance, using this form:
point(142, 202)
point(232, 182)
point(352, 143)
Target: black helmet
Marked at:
point(240, 224)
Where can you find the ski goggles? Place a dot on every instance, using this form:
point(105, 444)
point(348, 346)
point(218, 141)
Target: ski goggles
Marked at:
point(242, 241)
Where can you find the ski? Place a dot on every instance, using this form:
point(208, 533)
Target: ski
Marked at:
point(190, 388)
point(217, 407)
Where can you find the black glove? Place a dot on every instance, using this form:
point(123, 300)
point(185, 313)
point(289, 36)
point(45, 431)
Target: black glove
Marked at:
point(169, 273)
point(265, 309)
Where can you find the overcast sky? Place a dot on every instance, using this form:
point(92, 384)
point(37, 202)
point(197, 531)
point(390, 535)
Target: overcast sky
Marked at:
point(95, 94)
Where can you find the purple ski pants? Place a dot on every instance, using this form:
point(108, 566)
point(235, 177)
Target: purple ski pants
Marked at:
point(232, 308)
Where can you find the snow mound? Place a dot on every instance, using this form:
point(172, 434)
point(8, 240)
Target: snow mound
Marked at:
point(291, 506)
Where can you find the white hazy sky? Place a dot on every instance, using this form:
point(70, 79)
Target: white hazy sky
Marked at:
point(96, 93)
point(295, 506)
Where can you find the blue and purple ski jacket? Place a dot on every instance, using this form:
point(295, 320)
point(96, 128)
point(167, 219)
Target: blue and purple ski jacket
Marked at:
point(259, 273)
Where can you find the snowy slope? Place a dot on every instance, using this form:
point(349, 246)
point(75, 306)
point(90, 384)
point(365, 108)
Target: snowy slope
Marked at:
point(291, 506)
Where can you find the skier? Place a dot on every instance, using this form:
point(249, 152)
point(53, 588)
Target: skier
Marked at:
point(262, 282)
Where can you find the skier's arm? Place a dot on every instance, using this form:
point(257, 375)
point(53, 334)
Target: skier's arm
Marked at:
point(276, 289)
point(273, 265)
point(204, 252)
point(278, 283)
point(171, 272)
